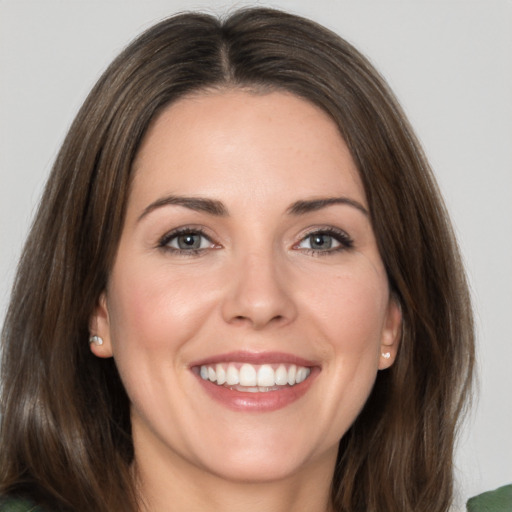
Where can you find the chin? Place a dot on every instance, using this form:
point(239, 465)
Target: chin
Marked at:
point(258, 470)
point(264, 460)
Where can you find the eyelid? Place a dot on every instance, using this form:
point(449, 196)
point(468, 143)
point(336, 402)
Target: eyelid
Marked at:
point(163, 242)
point(341, 236)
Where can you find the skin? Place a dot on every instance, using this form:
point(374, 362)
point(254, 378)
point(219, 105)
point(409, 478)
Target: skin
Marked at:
point(255, 285)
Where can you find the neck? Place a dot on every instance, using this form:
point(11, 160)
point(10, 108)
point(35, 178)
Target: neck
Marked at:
point(183, 486)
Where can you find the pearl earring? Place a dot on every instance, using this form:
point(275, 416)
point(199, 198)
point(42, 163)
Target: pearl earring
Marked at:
point(96, 340)
point(386, 355)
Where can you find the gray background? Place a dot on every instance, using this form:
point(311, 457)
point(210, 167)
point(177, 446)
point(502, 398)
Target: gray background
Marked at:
point(449, 62)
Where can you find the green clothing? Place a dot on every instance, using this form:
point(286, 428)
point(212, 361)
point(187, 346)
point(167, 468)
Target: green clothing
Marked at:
point(499, 500)
point(11, 504)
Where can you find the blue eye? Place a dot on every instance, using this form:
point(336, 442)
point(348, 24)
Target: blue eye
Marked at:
point(326, 241)
point(186, 241)
point(319, 242)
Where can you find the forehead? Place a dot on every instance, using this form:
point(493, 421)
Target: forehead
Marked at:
point(268, 144)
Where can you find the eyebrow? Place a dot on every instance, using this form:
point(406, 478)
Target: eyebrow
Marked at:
point(198, 204)
point(217, 208)
point(302, 207)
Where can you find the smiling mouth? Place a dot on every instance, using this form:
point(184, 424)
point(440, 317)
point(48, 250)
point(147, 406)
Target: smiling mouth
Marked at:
point(253, 378)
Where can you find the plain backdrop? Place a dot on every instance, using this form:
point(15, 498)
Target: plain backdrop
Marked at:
point(450, 64)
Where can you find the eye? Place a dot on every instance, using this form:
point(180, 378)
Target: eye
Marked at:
point(187, 240)
point(325, 241)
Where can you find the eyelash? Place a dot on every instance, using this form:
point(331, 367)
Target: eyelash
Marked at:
point(169, 237)
point(340, 236)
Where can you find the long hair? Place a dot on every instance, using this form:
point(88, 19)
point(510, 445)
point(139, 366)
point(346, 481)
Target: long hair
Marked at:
point(65, 427)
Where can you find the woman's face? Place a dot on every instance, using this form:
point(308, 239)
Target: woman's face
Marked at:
point(248, 307)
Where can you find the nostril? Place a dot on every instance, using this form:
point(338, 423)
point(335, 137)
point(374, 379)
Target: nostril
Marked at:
point(256, 322)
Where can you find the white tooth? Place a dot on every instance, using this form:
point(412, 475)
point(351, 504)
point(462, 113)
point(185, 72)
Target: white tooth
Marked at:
point(221, 374)
point(292, 371)
point(281, 376)
point(232, 376)
point(266, 377)
point(247, 375)
point(212, 375)
point(204, 372)
point(302, 374)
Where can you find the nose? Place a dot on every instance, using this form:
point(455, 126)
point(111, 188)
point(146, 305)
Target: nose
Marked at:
point(258, 293)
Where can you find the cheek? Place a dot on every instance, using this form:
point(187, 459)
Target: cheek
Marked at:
point(349, 308)
point(155, 309)
point(154, 313)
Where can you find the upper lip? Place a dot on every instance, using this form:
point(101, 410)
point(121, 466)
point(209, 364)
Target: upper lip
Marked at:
point(255, 358)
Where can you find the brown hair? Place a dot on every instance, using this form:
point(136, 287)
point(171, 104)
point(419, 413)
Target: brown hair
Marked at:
point(65, 427)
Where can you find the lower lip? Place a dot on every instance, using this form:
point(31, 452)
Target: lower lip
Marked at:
point(258, 402)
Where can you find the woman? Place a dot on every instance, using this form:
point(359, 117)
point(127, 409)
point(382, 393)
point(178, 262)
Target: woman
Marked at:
point(241, 288)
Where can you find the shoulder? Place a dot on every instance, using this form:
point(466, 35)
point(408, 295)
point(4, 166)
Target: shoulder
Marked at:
point(13, 504)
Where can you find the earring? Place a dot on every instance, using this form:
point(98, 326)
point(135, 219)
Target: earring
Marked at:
point(96, 340)
point(386, 355)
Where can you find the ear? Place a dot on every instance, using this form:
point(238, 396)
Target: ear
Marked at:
point(391, 333)
point(99, 326)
